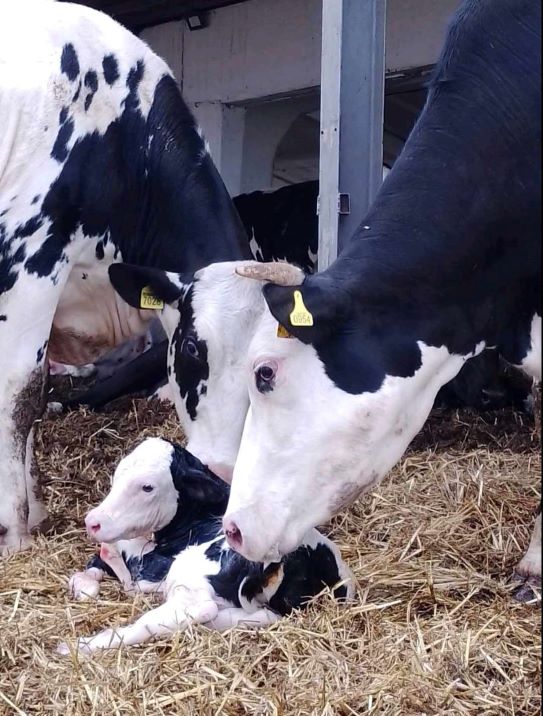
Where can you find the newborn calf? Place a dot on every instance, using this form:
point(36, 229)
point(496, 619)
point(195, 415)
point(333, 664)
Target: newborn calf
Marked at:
point(162, 489)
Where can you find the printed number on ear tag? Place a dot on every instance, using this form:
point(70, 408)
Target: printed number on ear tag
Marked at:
point(282, 332)
point(300, 316)
point(149, 300)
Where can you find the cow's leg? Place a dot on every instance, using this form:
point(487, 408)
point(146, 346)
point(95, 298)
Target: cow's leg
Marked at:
point(21, 403)
point(28, 309)
point(529, 567)
point(37, 514)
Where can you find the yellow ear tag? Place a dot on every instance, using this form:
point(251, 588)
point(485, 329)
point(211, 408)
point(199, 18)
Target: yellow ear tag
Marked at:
point(300, 316)
point(149, 300)
point(282, 332)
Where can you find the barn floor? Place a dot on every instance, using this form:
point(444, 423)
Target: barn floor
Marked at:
point(433, 631)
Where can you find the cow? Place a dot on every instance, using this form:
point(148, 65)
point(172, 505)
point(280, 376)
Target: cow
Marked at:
point(342, 367)
point(100, 162)
point(282, 225)
point(160, 488)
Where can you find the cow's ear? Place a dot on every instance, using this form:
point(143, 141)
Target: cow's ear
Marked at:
point(143, 287)
point(309, 312)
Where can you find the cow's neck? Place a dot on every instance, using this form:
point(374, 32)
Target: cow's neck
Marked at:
point(182, 217)
point(443, 237)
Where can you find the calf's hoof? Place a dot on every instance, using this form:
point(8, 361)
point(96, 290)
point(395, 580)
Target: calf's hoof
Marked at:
point(83, 586)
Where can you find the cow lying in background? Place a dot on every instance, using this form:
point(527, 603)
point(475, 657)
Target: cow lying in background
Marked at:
point(162, 489)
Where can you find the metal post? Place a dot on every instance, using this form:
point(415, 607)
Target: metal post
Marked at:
point(352, 102)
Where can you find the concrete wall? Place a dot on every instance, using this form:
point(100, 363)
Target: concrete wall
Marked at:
point(264, 49)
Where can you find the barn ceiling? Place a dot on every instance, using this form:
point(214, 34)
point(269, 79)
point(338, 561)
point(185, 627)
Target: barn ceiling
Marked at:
point(137, 14)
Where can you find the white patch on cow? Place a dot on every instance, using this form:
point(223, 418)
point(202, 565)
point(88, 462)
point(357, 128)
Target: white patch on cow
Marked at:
point(226, 309)
point(142, 498)
point(532, 361)
point(334, 445)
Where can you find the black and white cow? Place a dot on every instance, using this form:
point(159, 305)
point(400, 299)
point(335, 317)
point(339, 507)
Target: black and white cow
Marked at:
point(283, 225)
point(342, 367)
point(100, 161)
point(162, 490)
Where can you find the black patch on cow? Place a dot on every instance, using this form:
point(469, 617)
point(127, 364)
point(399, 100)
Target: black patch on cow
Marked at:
point(29, 227)
point(233, 570)
point(63, 115)
point(41, 353)
point(111, 69)
point(191, 370)
point(8, 262)
point(60, 147)
point(69, 64)
point(35, 199)
point(77, 92)
point(3, 317)
point(91, 82)
point(133, 79)
point(151, 567)
point(307, 571)
point(100, 250)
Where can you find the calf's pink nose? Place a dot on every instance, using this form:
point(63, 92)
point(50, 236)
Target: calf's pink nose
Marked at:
point(92, 525)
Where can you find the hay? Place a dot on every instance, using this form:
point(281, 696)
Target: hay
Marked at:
point(433, 631)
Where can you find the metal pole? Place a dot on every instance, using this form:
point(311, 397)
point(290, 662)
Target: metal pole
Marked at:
point(352, 101)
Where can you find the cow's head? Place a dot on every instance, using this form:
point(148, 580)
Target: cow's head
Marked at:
point(210, 318)
point(337, 391)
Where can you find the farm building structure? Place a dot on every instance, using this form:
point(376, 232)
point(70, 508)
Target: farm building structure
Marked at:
point(293, 90)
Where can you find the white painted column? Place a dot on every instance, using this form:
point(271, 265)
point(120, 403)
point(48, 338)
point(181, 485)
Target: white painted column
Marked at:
point(223, 127)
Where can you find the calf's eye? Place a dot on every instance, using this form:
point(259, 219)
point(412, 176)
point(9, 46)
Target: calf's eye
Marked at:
point(147, 488)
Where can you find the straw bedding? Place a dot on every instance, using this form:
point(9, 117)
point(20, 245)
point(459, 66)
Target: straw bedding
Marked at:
point(433, 630)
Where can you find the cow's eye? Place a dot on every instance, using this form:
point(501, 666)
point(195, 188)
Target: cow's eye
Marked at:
point(191, 347)
point(264, 377)
point(147, 488)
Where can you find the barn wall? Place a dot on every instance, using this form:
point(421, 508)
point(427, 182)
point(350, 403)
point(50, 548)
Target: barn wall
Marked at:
point(261, 49)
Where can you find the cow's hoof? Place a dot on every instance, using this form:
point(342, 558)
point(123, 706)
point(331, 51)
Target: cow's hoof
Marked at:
point(11, 541)
point(529, 591)
point(43, 527)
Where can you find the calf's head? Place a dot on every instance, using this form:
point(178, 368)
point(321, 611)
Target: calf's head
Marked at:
point(152, 484)
point(337, 391)
point(209, 318)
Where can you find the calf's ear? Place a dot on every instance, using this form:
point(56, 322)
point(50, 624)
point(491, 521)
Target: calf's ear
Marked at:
point(193, 480)
point(143, 287)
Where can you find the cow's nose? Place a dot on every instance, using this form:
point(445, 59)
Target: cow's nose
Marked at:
point(233, 534)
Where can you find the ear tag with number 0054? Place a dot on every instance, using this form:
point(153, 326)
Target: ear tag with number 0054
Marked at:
point(300, 316)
